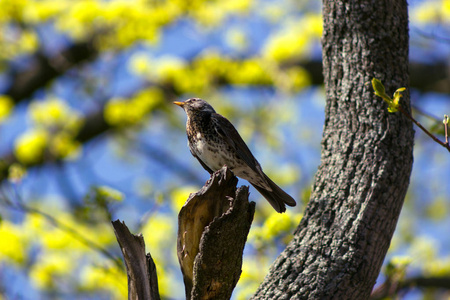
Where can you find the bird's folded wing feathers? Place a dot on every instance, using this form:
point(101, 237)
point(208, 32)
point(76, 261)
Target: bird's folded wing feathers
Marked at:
point(236, 142)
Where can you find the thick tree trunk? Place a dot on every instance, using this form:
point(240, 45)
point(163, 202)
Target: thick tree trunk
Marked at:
point(340, 244)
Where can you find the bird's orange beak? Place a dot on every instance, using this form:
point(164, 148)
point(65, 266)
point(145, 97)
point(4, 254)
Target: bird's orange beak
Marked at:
point(179, 103)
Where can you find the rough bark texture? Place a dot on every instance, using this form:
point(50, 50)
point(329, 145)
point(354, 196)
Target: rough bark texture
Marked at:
point(212, 230)
point(338, 249)
point(141, 270)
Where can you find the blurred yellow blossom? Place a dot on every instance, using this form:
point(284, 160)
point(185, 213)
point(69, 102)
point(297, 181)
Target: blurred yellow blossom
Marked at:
point(250, 71)
point(38, 228)
point(166, 67)
point(55, 113)
point(13, 244)
point(236, 39)
point(179, 196)
point(12, 10)
point(60, 123)
point(446, 10)
point(401, 261)
point(121, 111)
point(285, 46)
point(6, 105)
point(79, 18)
point(295, 79)
point(41, 11)
point(51, 266)
point(273, 12)
point(439, 267)
point(432, 12)
point(275, 225)
point(163, 69)
point(140, 63)
point(294, 40)
point(160, 234)
point(57, 239)
point(279, 223)
point(16, 172)
point(29, 41)
point(29, 147)
point(115, 112)
point(159, 230)
point(122, 24)
point(63, 145)
point(34, 224)
point(213, 13)
point(253, 271)
point(52, 111)
point(66, 232)
point(423, 249)
point(110, 193)
point(113, 280)
point(438, 209)
point(286, 174)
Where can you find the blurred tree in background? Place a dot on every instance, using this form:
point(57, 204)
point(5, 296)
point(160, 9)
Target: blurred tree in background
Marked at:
point(88, 133)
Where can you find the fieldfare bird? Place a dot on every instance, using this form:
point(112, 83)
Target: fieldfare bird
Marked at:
point(214, 141)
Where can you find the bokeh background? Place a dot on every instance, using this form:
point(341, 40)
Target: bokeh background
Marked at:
point(89, 134)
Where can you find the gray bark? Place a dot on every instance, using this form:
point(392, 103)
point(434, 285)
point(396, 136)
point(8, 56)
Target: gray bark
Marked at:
point(212, 230)
point(338, 249)
point(141, 270)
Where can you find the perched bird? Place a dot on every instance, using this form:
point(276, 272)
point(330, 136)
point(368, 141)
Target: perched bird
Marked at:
point(214, 141)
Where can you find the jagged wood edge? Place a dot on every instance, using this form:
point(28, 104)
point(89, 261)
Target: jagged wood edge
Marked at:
point(141, 270)
point(218, 265)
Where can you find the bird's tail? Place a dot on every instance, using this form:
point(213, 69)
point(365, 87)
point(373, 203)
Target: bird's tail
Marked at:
point(277, 197)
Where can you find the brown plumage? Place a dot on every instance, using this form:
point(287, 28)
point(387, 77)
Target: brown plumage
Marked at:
point(215, 142)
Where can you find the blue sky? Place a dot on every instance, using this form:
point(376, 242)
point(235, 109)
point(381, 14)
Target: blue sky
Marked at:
point(100, 164)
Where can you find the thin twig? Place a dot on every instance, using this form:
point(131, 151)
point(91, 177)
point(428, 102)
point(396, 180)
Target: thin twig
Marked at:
point(75, 234)
point(446, 129)
point(21, 206)
point(445, 145)
point(421, 112)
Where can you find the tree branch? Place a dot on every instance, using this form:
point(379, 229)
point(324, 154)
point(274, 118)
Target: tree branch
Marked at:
point(19, 205)
point(141, 270)
point(212, 230)
point(43, 69)
point(432, 136)
point(391, 288)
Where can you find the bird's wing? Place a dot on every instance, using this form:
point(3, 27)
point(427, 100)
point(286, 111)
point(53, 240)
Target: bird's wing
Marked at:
point(200, 161)
point(230, 135)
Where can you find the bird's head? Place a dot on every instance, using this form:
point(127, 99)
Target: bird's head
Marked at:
point(195, 106)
